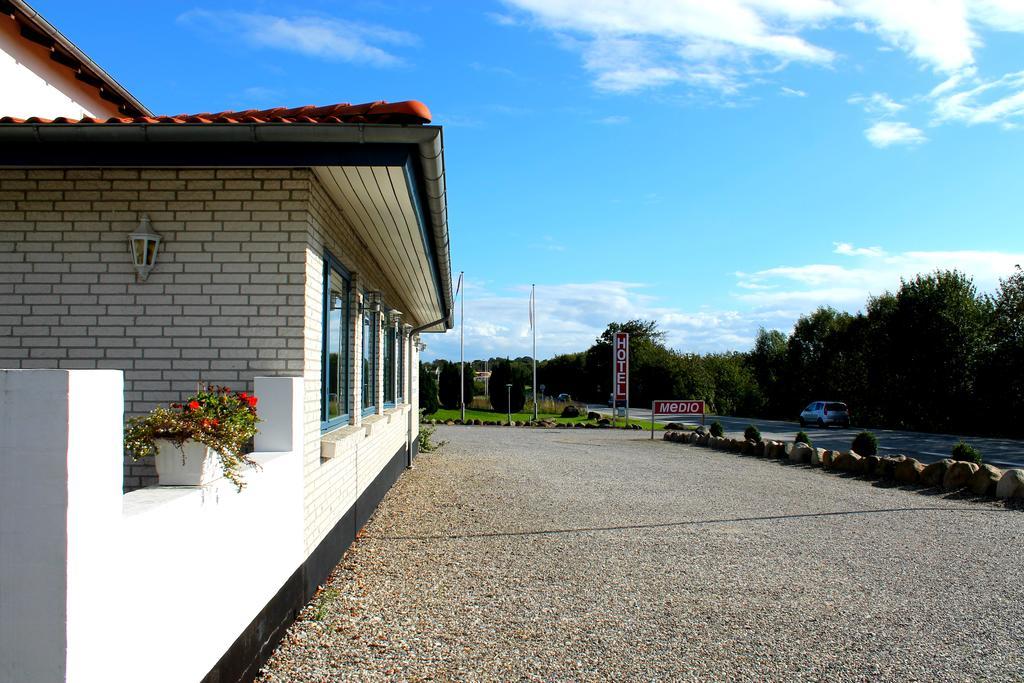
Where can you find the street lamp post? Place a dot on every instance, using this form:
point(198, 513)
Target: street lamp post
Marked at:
point(508, 405)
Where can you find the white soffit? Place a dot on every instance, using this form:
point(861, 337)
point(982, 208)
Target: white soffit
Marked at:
point(377, 202)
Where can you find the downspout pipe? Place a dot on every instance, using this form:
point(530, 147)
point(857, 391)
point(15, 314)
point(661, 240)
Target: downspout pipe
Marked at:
point(408, 433)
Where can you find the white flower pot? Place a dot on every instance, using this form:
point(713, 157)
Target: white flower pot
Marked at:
point(199, 466)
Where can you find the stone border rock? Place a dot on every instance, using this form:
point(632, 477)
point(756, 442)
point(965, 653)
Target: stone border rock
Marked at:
point(603, 423)
point(949, 475)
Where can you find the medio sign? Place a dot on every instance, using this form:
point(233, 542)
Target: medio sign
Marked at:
point(684, 407)
point(679, 407)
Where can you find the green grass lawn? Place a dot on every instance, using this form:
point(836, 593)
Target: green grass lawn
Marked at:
point(444, 415)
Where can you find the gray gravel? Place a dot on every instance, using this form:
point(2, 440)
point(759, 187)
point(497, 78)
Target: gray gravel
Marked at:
point(569, 555)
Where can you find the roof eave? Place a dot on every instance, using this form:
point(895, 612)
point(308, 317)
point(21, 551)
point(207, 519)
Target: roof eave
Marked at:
point(40, 23)
point(428, 140)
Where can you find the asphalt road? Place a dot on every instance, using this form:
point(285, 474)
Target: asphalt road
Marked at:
point(925, 447)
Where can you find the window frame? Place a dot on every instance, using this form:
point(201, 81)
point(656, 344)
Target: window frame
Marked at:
point(331, 263)
point(388, 328)
point(375, 361)
point(399, 365)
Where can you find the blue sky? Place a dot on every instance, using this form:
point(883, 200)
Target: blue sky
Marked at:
point(717, 166)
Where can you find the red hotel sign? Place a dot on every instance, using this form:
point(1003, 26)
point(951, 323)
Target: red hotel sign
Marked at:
point(620, 373)
point(679, 407)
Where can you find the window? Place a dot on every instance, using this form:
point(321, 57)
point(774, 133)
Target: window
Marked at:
point(334, 364)
point(389, 362)
point(371, 335)
point(400, 364)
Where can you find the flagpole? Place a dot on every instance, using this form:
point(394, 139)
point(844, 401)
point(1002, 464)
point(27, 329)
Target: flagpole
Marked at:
point(462, 351)
point(533, 319)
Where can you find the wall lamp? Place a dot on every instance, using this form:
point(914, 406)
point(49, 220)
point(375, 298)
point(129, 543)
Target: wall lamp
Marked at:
point(144, 243)
point(371, 302)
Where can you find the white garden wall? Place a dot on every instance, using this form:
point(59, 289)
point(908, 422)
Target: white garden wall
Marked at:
point(213, 557)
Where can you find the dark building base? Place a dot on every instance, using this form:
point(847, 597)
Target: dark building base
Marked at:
point(253, 647)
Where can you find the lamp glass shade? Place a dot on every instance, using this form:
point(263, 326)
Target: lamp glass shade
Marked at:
point(144, 244)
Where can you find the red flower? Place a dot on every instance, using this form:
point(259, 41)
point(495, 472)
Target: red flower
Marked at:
point(193, 405)
point(251, 400)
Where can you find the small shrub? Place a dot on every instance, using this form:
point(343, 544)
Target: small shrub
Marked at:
point(425, 440)
point(716, 428)
point(801, 437)
point(752, 433)
point(865, 443)
point(967, 453)
point(321, 608)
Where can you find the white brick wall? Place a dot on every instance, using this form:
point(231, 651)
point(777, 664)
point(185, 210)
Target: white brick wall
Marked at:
point(361, 450)
point(237, 292)
point(224, 303)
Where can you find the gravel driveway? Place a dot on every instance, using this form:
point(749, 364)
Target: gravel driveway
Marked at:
point(569, 555)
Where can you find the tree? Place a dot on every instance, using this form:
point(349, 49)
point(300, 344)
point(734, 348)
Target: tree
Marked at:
point(1001, 377)
point(564, 374)
point(809, 356)
point(646, 349)
point(503, 373)
point(937, 335)
point(448, 385)
point(429, 402)
point(768, 362)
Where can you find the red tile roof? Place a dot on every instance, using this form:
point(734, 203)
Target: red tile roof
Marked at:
point(407, 112)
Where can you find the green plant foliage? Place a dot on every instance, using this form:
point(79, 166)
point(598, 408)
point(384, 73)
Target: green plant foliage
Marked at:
point(1001, 378)
point(218, 417)
point(425, 440)
point(933, 355)
point(716, 428)
point(966, 452)
point(503, 373)
point(752, 433)
point(865, 443)
point(429, 402)
point(325, 599)
point(448, 384)
point(801, 437)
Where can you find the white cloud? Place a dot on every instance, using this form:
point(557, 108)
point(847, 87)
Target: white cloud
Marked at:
point(726, 46)
point(548, 243)
point(614, 120)
point(936, 33)
point(502, 19)
point(792, 92)
point(847, 249)
point(571, 315)
point(313, 36)
point(888, 133)
point(996, 101)
point(877, 104)
point(848, 287)
point(629, 46)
